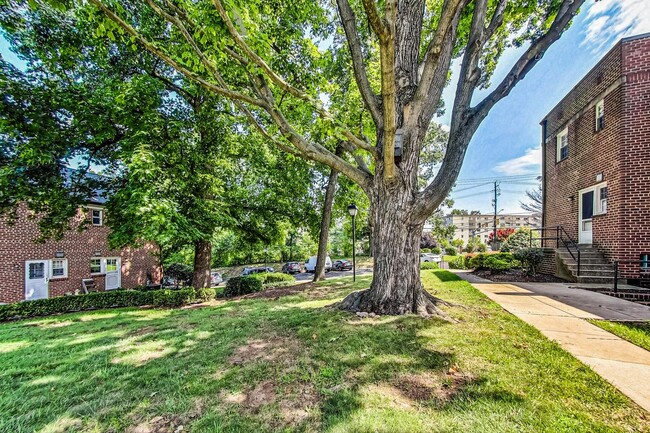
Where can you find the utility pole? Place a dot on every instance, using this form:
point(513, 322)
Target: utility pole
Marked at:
point(494, 202)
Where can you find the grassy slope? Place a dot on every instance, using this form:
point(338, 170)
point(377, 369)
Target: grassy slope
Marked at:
point(636, 333)
point(318, 370)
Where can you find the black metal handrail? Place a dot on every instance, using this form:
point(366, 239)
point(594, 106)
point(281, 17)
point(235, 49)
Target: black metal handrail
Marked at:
point(561, 237)
point(642, 269)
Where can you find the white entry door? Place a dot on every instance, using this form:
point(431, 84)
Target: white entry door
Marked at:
point(36, 279)
point(586, 207)
point(113, 269)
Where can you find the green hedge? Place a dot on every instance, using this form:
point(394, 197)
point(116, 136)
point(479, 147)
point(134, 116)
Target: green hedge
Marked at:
point(103, 300)
point(238, 286)
point(429, 265)
point(274, 279)
point(457, 263)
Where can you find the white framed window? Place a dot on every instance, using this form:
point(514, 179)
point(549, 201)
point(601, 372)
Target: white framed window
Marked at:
point(96, 266)
point(59, 268)
point(601, 198)
point(600, 115)
point(97, 217)
point(563, 145)
point(111, 265)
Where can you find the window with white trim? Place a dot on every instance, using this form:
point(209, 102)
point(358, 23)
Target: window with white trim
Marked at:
point(563, 145)
point(97, 217)
point(600, 115)
point(95, 266)
point(59, 268)
point(601, 199)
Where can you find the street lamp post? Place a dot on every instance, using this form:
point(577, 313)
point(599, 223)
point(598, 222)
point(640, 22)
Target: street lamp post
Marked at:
point(352, 209)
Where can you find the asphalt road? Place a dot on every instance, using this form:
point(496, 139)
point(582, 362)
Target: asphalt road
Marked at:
point(307, 276)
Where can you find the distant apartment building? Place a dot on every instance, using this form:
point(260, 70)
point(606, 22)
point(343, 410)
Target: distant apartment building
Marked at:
point(479, 227)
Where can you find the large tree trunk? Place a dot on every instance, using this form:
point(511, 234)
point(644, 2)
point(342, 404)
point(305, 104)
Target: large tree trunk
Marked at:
point(326, 219)
point(202, 263)
point(396, 230)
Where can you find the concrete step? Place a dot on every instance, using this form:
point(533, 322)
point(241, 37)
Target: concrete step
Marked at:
point(583, 261)
point(588, 266)
point(603, 280)
point(605, 273)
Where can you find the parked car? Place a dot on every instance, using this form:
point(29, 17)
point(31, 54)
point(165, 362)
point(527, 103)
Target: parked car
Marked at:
point(342, 265)
point(430, 258)
point(310, 265)
point(252, 271)
point(216, 278)
point(292, 268)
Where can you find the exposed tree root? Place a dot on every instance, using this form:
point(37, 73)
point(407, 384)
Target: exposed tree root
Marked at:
point(426, 305)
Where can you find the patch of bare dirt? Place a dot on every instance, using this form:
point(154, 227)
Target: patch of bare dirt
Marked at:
point(278, 292)
point(272, 349)
point(424, 388)
point(517, 275)
point(142, 331)
point(168, 423)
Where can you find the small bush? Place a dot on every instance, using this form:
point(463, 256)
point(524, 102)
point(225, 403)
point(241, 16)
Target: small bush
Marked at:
point(203, 295)
point(180, 272)
point(478, 261)
point(274, 279)
point(481, 248)
point(173, 298)
point(451, 250)
point(500, 262)
point(530, 258)
point(467, 259)
point(429, 265)
point(436, 250)
point(519, 240)
point(425, 250)
point(457, 263)
point(495, 265)
point(238, 286)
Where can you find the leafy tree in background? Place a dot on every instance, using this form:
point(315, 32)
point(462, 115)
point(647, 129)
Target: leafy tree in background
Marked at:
point(178, 163)
point(265, 57)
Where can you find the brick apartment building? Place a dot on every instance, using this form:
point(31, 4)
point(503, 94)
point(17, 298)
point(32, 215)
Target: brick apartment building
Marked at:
point(30, 270)
point(596, 159)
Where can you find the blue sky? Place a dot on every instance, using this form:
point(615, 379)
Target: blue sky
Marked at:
point(508, 141)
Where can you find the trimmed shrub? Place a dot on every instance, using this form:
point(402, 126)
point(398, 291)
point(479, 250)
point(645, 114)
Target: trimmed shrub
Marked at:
point(173, 298)
point(425, 250)
point(68, 304)
point(481, 248)
point(274, 279)
point(467, 259)
point(530, 258)
point(429, 266)
point(457, 263)
point(478, 261)
point(203, 295)
point(436, 250)
point(451, 250)
point(496, 265)
point(238, 286)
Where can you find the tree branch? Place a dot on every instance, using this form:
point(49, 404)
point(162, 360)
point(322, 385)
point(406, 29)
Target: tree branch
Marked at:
point(171, 62)
point(348, 19)
point(281, 83)
point(374, 19)
point(532, 55)
point(436, 61)
point(469, 120)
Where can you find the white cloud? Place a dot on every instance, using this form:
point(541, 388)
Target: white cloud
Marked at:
point(609, 20)
point(528, 163)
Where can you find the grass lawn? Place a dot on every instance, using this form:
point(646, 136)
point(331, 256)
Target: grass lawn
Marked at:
point(287, 364)
point(637, 333)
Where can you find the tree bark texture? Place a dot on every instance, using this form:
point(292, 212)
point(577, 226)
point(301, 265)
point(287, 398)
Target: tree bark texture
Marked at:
point(202, 264)
point(326, 219)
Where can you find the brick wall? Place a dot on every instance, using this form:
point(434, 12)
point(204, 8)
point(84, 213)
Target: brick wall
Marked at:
point(621, 151)
point(17, 245)
point(635, 153)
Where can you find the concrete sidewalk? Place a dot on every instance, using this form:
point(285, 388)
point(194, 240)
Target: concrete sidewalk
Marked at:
point(558, 312)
